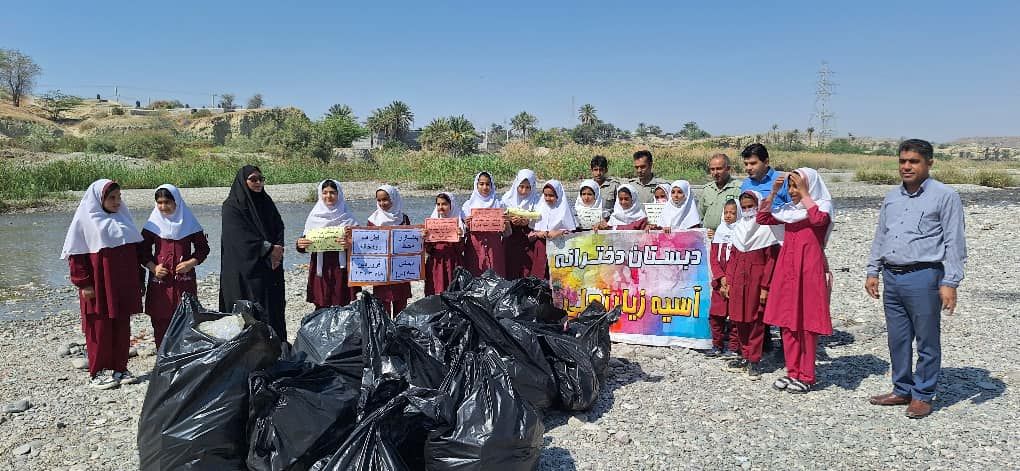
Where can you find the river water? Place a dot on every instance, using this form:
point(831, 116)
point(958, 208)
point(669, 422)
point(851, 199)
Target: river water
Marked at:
point(31, 243)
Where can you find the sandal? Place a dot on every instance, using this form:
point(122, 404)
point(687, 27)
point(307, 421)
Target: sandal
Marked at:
point(797, 387)
point(782, 383)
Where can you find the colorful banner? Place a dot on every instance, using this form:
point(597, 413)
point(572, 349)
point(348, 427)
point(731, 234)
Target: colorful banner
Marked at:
point(661, 281)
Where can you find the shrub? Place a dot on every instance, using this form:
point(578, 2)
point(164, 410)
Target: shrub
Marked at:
point(148, 144)
point(117, 111)
point(951, 175)
point(877, 176)
point(202, 113)
point(71, 144)
point(101, 145)
point(994, 179)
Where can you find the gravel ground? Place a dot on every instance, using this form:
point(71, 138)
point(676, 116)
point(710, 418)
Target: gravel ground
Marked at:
point(662, 408)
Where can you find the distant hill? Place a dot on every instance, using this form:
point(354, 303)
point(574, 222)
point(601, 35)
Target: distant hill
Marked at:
point(993, 141)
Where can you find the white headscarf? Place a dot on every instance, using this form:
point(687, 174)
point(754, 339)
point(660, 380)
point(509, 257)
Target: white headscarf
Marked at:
point(682, 215)
point(747, 234)
point(93, 229)
point(513, 200)
point(176, 226)
point(558, 216)
point(393, 217)
point(322, 215)
point(790, 213)
point(477, 200)
point(589, 183)
point(665, 187)
point(455, 211)
point(724, 233)
point(622, 216)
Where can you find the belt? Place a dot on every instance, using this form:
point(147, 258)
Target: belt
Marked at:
point(901, 269)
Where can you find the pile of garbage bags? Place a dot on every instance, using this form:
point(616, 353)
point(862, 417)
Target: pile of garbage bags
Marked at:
point(457, 381)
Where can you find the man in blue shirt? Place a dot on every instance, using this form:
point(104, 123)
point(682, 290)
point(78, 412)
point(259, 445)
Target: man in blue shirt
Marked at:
point(920, 250)
point(760, 175)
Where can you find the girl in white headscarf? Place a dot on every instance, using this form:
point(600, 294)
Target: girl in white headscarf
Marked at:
point(103, 251)
point(681, 211)
point(389, 211)
point(556, 220)
point(799, 295)
point(443, 257)
point(173, 245)
point(724, 338)
point(519, 246)
point(327, 271)
point(628, 212)
point(661, 193)
point(589, 198)
point(484, 250)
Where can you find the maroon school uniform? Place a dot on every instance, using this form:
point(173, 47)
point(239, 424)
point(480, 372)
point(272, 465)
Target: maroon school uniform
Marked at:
point(637, 225)
point(162, 296)
point(484, 251)
point(723, 336)
point(115, 275)
point(520, 253)
point(443, 260)
point(395, 296)
point(330, 289)
point(748, 273)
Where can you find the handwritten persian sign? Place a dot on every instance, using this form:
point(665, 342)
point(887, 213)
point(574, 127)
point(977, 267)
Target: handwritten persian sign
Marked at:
point(442, 230)
point(587, 218)
point(370, 241)
point(367, 269)
point(486, 220)
point(661, 282)
point(325, 239)
point(386, 255)
point(654, 212)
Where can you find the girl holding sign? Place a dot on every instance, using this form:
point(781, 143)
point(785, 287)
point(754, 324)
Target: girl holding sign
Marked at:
point(628, 212)
point(800, 287)
point(389, 211)
point(556, 220)
point(522, 195)
point(589, 201)
point(443, 257)
point(327, 271)
point(102, 249)
point(484, 250)
point(173, 245)
point(746, 284)
point(681, 212)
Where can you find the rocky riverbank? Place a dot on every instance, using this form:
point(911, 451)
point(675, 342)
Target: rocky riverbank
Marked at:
point(662, 408)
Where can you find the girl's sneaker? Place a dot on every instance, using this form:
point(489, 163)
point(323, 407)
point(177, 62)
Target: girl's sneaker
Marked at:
point(798, 387)
point(125, 377)
point(737, 366)
point(729, 355)
point(103, 380)
point(714, 352)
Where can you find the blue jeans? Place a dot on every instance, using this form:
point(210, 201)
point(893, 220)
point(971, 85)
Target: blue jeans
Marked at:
point(913, 312)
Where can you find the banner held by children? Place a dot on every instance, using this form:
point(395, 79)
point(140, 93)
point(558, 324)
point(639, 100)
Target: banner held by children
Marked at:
point(662, 282)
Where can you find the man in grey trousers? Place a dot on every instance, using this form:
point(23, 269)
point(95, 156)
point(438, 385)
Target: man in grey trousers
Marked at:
point(920, 251)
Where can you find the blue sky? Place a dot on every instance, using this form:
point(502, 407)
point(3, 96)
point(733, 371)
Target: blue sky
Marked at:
point(937, 70)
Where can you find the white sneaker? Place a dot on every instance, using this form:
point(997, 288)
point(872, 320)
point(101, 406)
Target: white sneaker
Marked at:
point(105, 379)
point(125, 377)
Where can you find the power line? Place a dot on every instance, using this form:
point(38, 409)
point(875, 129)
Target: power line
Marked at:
point(823, 115)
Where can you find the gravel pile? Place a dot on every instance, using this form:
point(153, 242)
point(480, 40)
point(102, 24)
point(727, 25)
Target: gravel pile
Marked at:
point(662, 408)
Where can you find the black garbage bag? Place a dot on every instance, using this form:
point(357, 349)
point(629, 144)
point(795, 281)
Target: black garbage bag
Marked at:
point(527, 298)
point(392, 437)
point(531, 373)
point(494, 428)
point(300, 413)
point(332, 336)
point(394, 360)
point(196, 406)
point(578, 353)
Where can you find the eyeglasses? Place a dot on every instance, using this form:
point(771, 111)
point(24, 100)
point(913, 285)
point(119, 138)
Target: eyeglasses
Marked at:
point(254, 178)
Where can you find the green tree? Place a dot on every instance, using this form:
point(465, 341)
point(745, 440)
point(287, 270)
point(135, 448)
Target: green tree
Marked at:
point(54, 103)
point(339, 131)
point(587, 115)
point(810, 132)
point(391, 121)
point(255, 102)
point(692, 131)
point(455, 135)
point(166, 104)
point(18, 73)
point(227, 101)
point(641, 130)
point(599, 133)
point(497, 134)
point(523, 123)
point(341, 111)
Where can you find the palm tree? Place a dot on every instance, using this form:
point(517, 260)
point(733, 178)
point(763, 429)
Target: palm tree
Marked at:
point(810, 132)
point(341, 111)
point(391, 121)
point(587, 114)
point(775, 133)
point(523, 122)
